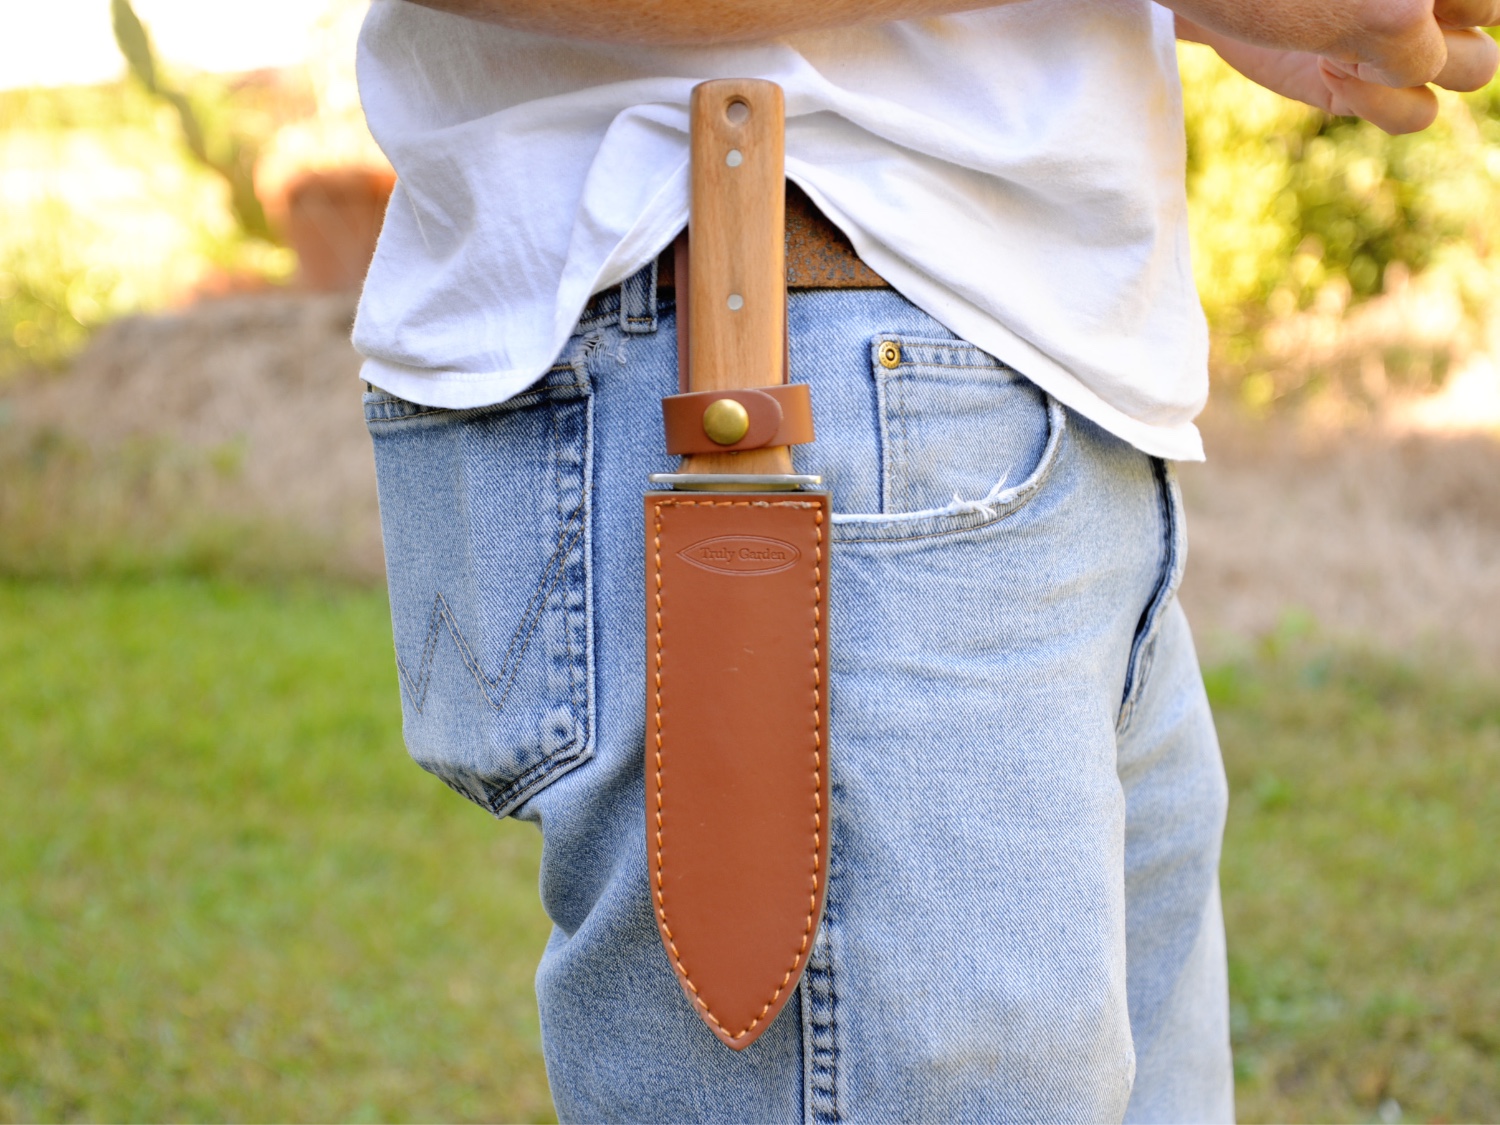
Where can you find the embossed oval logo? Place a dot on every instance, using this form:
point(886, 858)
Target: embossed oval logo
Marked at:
point(741, 554)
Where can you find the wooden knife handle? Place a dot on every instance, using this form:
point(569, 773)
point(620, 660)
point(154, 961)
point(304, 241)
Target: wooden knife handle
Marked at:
point(737, 244)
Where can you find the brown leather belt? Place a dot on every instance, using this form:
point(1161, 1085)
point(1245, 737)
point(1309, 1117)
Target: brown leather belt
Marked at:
point(737, 790)
point(818, 254)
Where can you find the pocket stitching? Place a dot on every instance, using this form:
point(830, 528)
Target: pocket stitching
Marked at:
point(501, 793)
point(1174, 562)
point(894, 430)
point(536, 606)
point(963, 521)
point(384, 407)
point(578, 749)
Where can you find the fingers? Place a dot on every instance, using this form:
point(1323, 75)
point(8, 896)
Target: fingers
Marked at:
point(1407, 109)
point(1472, 58)
point(1292, 74)
point(1381, 78)
point(1407, 50)
point(1467, 13)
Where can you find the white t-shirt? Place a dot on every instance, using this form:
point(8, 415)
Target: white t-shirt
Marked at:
point(1016, 172)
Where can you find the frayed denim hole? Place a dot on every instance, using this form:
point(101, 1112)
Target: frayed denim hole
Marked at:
point(959, 514)
point(954, 421)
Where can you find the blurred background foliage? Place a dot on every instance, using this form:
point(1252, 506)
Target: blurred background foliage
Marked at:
point(224, 151)
point(106, 211)
point(117, 200)
point(1294, 212)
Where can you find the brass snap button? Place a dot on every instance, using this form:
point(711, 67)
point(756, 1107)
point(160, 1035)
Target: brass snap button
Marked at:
point(889, 353)
point(725, 421)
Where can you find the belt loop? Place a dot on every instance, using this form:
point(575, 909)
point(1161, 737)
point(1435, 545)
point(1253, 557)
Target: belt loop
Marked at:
point(638, 301)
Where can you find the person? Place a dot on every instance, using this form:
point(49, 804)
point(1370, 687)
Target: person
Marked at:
point(1022, 917)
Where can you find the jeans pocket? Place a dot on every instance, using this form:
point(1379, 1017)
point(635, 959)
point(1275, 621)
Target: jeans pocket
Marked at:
point(965, 440)
point(1169, 578)
point(486, 520)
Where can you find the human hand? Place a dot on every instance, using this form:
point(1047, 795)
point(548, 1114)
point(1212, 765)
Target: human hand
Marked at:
point(1370, 60)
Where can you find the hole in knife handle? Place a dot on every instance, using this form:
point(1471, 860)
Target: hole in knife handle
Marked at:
point(737, 112)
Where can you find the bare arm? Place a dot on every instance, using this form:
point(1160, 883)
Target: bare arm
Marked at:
point(1367, 58)
point(694, 22)
point(1400, 40)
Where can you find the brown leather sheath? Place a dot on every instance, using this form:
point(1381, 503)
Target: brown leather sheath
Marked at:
point(736, 602)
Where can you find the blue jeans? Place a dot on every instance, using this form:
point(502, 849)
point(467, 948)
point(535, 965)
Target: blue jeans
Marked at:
point(1023, 920)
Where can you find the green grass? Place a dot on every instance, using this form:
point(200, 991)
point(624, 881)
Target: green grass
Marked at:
point(226, 894)
point(1362, 887)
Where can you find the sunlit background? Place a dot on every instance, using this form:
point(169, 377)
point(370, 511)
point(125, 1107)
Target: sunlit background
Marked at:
point(225, 893)
point(68, 42)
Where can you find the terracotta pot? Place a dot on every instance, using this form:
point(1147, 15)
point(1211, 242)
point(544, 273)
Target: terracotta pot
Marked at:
point(332, 220)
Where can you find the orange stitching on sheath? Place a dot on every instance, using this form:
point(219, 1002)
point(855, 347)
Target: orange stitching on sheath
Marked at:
point(812, 901)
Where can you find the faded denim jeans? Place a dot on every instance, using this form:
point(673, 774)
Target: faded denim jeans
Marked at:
point(1023, 920)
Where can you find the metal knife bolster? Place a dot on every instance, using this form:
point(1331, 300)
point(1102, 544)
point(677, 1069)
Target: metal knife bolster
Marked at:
point(736, 602)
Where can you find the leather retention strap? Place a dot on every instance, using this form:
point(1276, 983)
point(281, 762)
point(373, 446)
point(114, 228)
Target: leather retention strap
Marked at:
point(779, 415)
